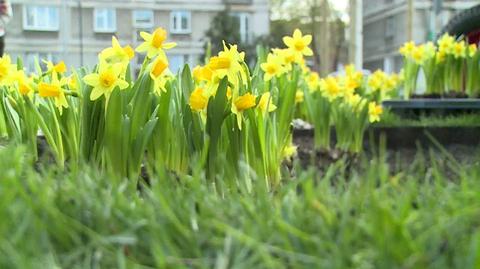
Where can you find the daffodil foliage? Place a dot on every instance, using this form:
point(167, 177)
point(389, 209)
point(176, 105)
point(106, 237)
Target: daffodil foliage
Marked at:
point(215, 113)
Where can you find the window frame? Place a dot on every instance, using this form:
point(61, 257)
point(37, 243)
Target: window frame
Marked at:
point(96, 28)
point(143, 25)
point(34, 27)
point(175, 13)
point(244, 30)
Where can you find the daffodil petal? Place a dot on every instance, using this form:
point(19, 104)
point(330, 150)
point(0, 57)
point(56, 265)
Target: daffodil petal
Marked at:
point(95, 94)
point(307, 51)
point(122, 84)
point(146, 36)
point(91, 79)
point(297, 34)
point(142, 47)
point(307, 39)
point(169, 45)
point(288, 41)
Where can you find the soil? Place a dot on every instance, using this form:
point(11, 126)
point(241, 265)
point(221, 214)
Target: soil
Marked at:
point(398, 158)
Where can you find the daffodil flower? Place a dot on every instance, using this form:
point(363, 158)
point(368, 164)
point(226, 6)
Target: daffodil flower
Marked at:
point(58, 68)
point(445, 44)
point(266, 103)
point(472, 50)
point(330, 88)
point(313, 81)
point(116, 53)
point(158, 72)
point(228, 63)
point(198, 100)
point(273, 67)
point(155, 43)
point(202, 73)
point(374, 112)
point(6, 69)
point(288, 57)
point(459, 50)
point(241, 104)
point(299, 43)
point(24, 83)
point(299, 97)
point(105, 81)
point(72, 83)
point(54, 89)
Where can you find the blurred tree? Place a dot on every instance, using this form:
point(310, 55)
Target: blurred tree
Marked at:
point(226, 27)
point(223, 27)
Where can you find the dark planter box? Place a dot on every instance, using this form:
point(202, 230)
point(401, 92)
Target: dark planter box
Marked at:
point(432, 106)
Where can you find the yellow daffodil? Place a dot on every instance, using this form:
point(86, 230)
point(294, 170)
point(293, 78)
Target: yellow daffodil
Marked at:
point(440, 57)
point(273, 67)
point(472, 50)
point(105, 81)
point(72, 83)
point(202, 73)
point(313, 81)
point(54, 89)
point(299, 43)
point(59, 68)
point(116, 53)
point(407, 49)
point(374, 112)
point(376, 80)
point(228, 63)
point(288, 57)
point(445, 44)
point(354, 100)
point(419, 55)
point(155, 43)
point(6, 69)
point(266, 103)
point(299, 97)
point(198, 100)
point(24, 83)
point(459, 50)
point(330, 88)
point(240, 104)
point(158, 73)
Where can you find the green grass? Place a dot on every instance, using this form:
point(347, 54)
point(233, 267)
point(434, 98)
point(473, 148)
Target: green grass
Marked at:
point(390, 119)
point(371, 217)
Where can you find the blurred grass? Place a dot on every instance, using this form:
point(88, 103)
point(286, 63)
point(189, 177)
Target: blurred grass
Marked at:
point(367, 218)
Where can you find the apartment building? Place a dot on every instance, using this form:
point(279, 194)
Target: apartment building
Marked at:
point(76, 30)
point(385, 29)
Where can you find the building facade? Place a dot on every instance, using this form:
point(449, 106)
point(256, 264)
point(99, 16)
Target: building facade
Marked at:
point(385, 27)
point(77, 30)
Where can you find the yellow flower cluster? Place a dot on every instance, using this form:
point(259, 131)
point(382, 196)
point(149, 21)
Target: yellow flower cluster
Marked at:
point(280, 61)
point(446, 46)
point(230, 63)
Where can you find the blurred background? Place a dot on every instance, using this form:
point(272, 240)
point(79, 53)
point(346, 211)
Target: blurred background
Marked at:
point(365, 32)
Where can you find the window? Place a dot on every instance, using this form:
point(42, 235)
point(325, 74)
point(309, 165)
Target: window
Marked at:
point(40, 18)
point(390, 27)
point(143, 18)
point(180, 22)
point(244, 26)
point(105, 20)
